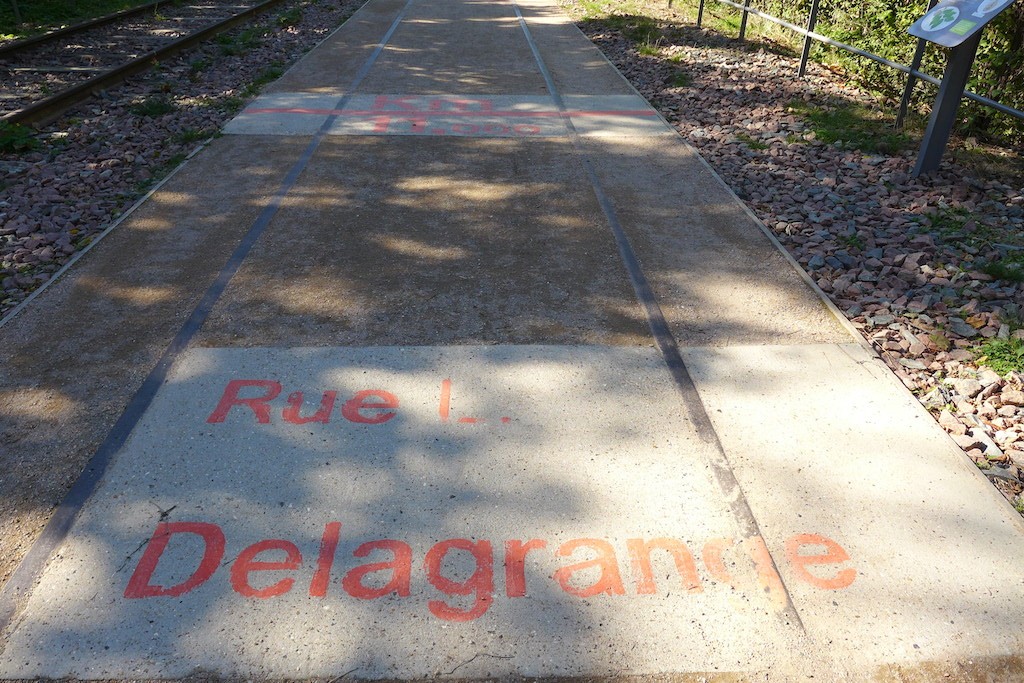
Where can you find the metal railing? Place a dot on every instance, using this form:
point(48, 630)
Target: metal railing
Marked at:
point(913, 72)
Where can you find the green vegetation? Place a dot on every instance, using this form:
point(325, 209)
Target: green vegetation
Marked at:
point(941, 341)
point(230, 104)
point(17, 138)
point(196, 67)
point(957, 226)
point(154, 105)
point(682, 79)
point(1002, 355)
point(172, 163)
point(750, 142)
point(852, 240)
point(290, 18)
point(268, 75)
point(1009, 269)
point(950, 222)
point(39, 16)
point(649, 49)
point(158, 174)
point(190, 135)
point(853, 125)
point(639, 29)
point(878, 26)
point(233, 44)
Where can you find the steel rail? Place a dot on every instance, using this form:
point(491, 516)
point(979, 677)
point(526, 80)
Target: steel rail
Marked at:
point(48, 109)
point(33, 41)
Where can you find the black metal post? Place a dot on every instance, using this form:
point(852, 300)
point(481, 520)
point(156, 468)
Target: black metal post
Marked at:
point(915, 65)
point(812, 19)
point(743, 20)
point(700, 14)
point(951, 91)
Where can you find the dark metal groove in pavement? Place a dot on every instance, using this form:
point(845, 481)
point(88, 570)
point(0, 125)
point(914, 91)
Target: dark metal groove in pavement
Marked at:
point(724, 475)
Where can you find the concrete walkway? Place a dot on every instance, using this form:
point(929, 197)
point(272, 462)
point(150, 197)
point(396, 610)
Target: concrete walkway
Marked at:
point(451, 359)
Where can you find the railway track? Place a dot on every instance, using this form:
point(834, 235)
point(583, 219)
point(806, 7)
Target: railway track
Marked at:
point(41, 77)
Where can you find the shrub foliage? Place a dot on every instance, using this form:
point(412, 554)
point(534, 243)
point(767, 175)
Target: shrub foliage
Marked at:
point(880, 26)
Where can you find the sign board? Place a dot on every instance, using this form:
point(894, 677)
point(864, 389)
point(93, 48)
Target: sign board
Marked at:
point(951, 23)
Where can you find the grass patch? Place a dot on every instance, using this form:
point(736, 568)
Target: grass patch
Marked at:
point(171, 164)
point(958, 226)
point(156, 105)
point(231, 105)
point(852, 124)
point(990, 161)
point(268, 75)
point(197, 67)
point(941, 341)
point(607, 9)
point(682, 79)
point(852, 240)
point(648, 49)
point(638, 28)
point(234, 44)
point(1002, 355)
point(950, 222)
point(190, 135)
point(290, 18)
point(158, 174)
point(750, 142)
point(727, 24)
point(17, 138)
point(1009, 269)
point(40, 16)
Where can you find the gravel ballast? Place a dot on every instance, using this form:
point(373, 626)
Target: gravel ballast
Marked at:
point(901, 257)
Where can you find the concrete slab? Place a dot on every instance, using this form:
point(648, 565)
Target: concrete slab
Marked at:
point(285, 113)
point(474, 47)
point(576, 66)
point(427, 241)
point(824, 438)
point(410, 512)
point(335, 62)
point(721, 282)
point(414, 509)
point(447, 115)
point(539, 458)
point(421, 60)
point(616, 115)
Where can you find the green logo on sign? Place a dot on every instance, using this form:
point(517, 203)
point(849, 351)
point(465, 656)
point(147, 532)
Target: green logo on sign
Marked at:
point(962, 27)
point(942, 18)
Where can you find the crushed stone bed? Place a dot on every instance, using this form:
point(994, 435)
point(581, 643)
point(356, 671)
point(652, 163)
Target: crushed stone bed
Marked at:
point(901, 257)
